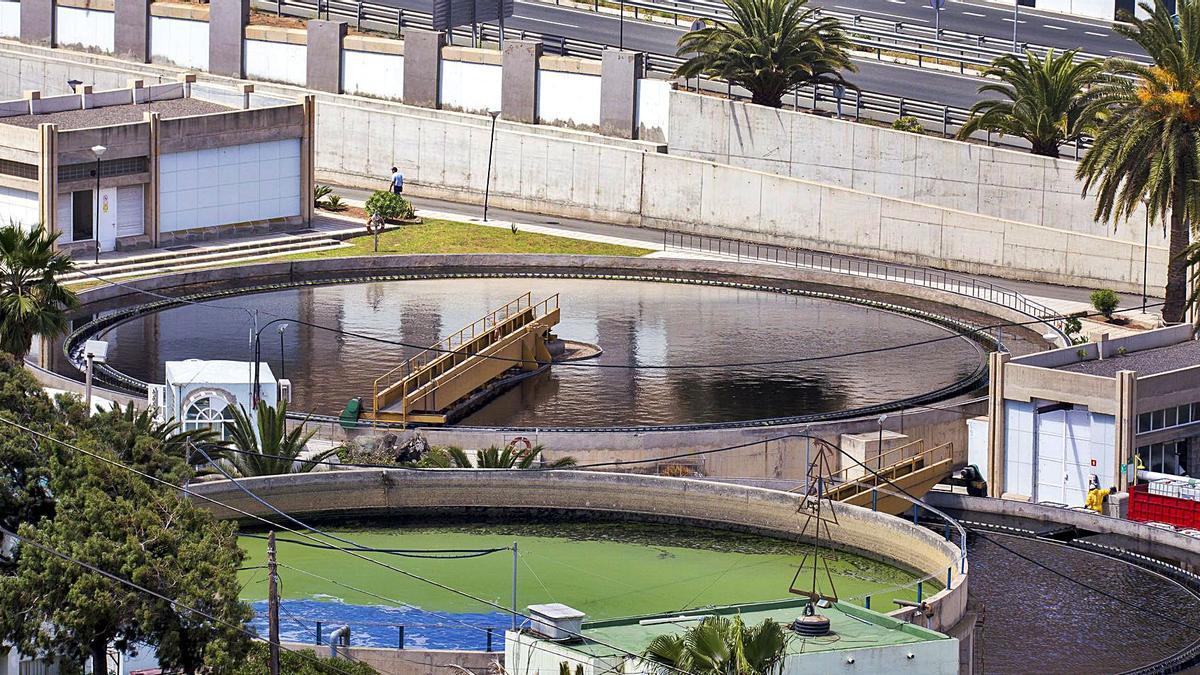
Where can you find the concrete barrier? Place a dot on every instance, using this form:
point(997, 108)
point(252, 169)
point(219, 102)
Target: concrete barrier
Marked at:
point(373, 492)
point(1127, 535)
point(412, 661)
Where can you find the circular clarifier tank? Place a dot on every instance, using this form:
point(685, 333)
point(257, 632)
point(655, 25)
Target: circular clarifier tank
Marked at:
point(766, 354)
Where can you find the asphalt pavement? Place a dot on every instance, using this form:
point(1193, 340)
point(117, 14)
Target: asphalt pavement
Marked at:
point(925, 84)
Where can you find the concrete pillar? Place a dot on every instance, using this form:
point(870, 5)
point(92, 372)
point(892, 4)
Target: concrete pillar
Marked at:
point(308, 165)
point(325, 55)
point(151, 205)
point(996, 435)
point(1124, 443)
point(246, 89)
point(37, 22)
point(619, 75)
point(48, 176)
point(227, 21)
point(131, 36)
point(519, 86)
point(31, 95)
point(423, 67)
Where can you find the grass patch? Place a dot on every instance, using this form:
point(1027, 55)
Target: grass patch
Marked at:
point(444, 236)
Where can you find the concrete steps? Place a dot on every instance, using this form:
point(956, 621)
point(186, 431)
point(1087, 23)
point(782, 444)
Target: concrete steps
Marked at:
point(203, 256)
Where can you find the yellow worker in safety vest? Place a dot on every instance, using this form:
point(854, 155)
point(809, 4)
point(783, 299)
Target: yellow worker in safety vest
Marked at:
point(1095, 495)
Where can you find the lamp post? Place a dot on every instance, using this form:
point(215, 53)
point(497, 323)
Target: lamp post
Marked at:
point(879, 456)
point(98, 151)
point(94, 351)
point(621, 28)
point(282, 363)
point(1145, 252)
point(1016, 20)
point(487, 186)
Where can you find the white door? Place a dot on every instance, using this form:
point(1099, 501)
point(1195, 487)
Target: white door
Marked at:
point(107, 229)
point(1080, 464)
point(129, 211)
point(1050, 474)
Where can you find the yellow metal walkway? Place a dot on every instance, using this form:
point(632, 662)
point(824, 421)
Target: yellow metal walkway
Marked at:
point(424, 387)
point(911, 467)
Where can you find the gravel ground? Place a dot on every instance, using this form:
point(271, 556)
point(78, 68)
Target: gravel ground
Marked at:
point(117, 114)
point(1148, 362)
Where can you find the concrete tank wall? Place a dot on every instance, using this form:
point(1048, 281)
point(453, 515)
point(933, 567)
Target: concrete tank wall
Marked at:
point(336, 494)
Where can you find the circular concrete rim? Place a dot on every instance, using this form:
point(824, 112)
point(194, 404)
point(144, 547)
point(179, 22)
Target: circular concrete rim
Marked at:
point(964, 330)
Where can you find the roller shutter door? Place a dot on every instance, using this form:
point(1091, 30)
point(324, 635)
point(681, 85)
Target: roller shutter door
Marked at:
point(130, 220)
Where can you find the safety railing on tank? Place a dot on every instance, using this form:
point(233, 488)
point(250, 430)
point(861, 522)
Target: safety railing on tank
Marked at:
point(863, 267)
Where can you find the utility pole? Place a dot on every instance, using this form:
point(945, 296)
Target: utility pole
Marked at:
point(273, 606)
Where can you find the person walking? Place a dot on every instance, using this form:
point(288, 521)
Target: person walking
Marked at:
point(397, 181)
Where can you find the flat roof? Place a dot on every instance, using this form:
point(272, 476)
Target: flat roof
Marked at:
point(117, 114)
point(852, 627)
point(217, 372)
point(1145, 362)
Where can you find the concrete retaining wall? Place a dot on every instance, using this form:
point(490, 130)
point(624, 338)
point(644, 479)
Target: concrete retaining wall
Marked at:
point(412, 661)
point(1007, 184)
point(84, 28)
point(337, 494)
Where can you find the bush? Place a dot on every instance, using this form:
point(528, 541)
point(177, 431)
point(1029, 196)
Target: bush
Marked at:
point(334, 203)
point(1105, 301)
point(389, 206)
point(908, 123)
point(301, 662)
point(320, 192)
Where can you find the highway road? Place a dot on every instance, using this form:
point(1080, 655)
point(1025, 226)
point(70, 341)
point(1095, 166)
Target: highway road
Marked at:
point(926, 84)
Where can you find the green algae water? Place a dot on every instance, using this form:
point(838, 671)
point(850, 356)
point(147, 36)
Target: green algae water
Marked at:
point(604, 569)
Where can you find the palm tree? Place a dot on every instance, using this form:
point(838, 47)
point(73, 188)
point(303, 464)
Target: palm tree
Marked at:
point(162, 449)
point(720, 646)
point(268, 448)
point(492, 458)
point(1146, 145)
point(768, 47)
point(1049, 100)
point(32, 302)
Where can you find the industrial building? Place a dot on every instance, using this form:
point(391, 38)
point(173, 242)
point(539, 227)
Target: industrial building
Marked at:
point(1060, 416)
point(173, 166)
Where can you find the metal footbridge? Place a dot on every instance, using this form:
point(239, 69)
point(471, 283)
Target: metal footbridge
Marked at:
point(911, 467)
point(423, 389)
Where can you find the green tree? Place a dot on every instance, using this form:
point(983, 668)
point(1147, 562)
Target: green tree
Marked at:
point(1050, 100)
point(1146, 144)
point(115, 521)
point(32, 301)
point(721, 646)
point(388, 205)
point(768, 47)
point(491, 458)
point(266, 447)
point(24, 460)
point(137, 439)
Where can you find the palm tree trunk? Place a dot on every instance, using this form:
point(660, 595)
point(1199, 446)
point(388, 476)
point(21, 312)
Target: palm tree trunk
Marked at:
point(1175, 304)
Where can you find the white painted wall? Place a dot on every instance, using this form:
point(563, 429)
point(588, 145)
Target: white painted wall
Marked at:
point(1095, 9)
point(88, 28)
point(179, 41)
point(653, 109)
point(10, 19)
point(472, 87)
point(573, 98)
point(18, 207)
point(1018, 447)
point(276, 61)
point(241, 183)
point(373, 74)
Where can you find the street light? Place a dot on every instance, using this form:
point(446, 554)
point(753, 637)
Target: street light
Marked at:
point(1145, 251)
point(487, 186)
point(1016, 20)
point(94, 351)
point(97, 150)
point(282, 363)
point(621, 28)
point(879, 456)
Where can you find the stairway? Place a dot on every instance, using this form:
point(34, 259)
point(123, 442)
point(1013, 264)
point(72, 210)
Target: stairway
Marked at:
point(909, 468)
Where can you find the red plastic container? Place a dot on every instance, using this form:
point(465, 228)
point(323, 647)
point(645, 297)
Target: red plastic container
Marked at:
point(1145, 507)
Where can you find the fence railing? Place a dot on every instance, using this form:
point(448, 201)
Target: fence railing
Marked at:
point(860, 104)
point(919, 276)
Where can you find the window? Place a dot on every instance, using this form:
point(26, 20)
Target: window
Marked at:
point(207, 413)
point(108, 168)
point(1168, 417)
point(1171, 457)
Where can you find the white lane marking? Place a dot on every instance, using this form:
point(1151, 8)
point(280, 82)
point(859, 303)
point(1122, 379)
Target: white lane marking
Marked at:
point(1136, 56)
point(974, 14)
point(554, 23)
point(872, 12)
point(1010, 20)
point(1050, 25)
point(1088, 32)
point(896, 2)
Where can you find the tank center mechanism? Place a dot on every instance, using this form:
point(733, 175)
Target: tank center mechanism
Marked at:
point(490, 354)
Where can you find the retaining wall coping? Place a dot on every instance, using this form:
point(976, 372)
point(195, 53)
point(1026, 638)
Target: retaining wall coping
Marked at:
point(98, 5)
point(369, 43)
point(567, 64)
point(490, 57)
point(291, 36)
point(177, 10)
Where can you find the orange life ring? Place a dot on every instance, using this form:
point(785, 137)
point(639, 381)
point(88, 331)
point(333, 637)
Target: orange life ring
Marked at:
point(521, 440)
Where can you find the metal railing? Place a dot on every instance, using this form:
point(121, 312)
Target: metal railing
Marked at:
point(919, 276)
point(860, 104)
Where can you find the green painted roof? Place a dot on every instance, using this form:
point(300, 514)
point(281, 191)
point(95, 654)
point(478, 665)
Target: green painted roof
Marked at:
point(852, 627)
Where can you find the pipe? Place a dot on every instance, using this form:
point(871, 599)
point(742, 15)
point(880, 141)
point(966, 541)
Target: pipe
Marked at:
point(1144, 474)
point(342, 634)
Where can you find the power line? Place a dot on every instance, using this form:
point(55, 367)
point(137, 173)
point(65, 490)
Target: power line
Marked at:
point(434, 554)
point(355, 554)
point(160, 596)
